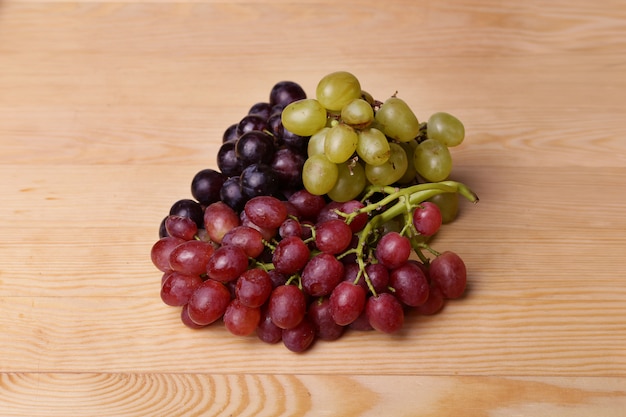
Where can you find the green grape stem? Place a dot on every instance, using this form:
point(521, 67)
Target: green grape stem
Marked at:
point(406, 199)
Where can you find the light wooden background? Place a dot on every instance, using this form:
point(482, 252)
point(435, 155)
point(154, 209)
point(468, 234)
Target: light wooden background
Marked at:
point(108, 109)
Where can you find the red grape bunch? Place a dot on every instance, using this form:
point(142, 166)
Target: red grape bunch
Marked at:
point(271, 245)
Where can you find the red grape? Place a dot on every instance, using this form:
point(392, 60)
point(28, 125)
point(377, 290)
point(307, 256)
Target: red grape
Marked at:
point(448, 272)
point(253, 287)
point(410, 284)
point(427, 218)
point(291, 255)
point(266, 211)
point(240, 319)
point(219, 218)
point(321, 274)
point(287, 306)
point(161, 251)
point(208, 302)
point(393, 250)
point(347, 302)
point(300, 337)
point(385, 313)
point(227, 263)
point(333, 236)
point(178, 288)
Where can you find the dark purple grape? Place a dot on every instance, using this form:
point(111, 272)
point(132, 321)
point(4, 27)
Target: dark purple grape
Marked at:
point(258, 179)
point(206, 186)
point(230, 134)
point(227, 160)
point(293, 141)
point(255, 147)
point(263, 109)
point(285, 92)
point(162, 229)
point(275, 125)
point(251, 122)
point(231, 194)
point(287, 165)
point(188, 208)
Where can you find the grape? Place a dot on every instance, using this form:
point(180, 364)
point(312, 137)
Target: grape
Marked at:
point(219, 219)
point(287, 166)
point(161, 251)
point(411, 173)
point(393, 250)
point(258, 179)
point(232, 195)
point(433, 304)
point(373, 147)
point(266, 211)
point(253, 287)
point(181, 227)
point(378, 275)
point(247, 238)
point(266, 330)
point(317, 142)
point(391, 170)
point(304, 117)
point(230, 134)
point(322, 320)
point(347, 301)
point(300, 337)
point(410, 284)
point(206, 186)
point(427, 218)
point(184, 317)
point(188, 208)
point(445, 128)
point(267, 233)
point(177, 288)
point(321, 274)
point(227, 263)
point(448, 204)
point(385, 313)
point(397, 120)
point(290, 227)
point(240, 319)
point(358, 113)
point(294, 142)
point(262, 109)
point(285, 92)
point(250, 123)
point(308, 205)
point(359, 222)
point(333, 236)
point(337, 89)
point(208, 302)
point(287, 306)
point(191, 257)
point(291, 255)
point(227, 160)
point(340, 143)
point(447, 271)
point(319, 175)
point(350, 182)
point(255, 147)
point(432, 160)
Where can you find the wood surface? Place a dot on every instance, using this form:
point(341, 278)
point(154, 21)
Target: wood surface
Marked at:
point(108, 109)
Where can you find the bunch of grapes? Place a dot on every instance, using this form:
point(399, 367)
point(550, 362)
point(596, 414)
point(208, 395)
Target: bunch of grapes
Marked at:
point(308, 227)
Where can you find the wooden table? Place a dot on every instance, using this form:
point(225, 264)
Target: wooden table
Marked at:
point(108, 109)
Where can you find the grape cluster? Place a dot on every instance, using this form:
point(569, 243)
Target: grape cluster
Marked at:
point(272, 244)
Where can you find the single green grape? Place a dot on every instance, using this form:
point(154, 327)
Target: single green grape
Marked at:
point(337, 89)
point(304, 117)
point(373, 147)
point(319, 175)
point(358, 113)
point(445, 128)
point(340, 143)
point(392, 170)
point(397, 120)
point(316, 142)
point(432, 160)
point(411, 173)
point(350, 182)
point(448, 204)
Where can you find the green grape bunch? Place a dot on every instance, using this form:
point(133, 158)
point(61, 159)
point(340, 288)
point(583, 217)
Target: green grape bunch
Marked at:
point(357, 141)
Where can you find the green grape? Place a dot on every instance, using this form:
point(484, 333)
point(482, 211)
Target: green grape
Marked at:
point(373, 147)
point(358, 113)
point(319, 175)
point(411, 173)
point(340, 143)
point(337, 89)
point(397, 120)
point(304, 117)
point(445, 128)
point(392, 170)
point(432, 160)
point(316, 142)
point(448, 204)
point(350, 182)
point(367, 97)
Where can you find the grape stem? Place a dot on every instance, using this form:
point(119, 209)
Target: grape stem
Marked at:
point(404, 201)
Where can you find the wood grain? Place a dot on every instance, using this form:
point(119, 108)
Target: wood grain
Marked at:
point(108, 109)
